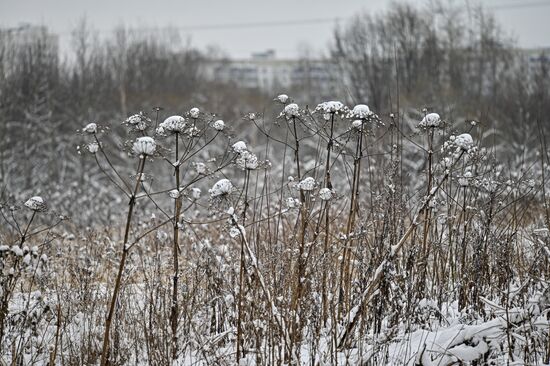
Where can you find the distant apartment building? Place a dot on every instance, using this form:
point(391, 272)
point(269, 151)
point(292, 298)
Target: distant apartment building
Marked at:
point(265, 72)
point(536, 57)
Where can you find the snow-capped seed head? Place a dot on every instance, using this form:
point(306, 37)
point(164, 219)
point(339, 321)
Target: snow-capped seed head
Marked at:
point(93, 147)
point(221, 188)
point(307, 184)
point(134, 119)
point(138, 121)
point(90, 128)
point(16, 249)
point(330, 107)
point(173, 124)
point(292, 202)
point(360, 111)
point(446, 163)
point(291, 110)
point(239, 146)
point(200, 167)
point(464, 181)
point(195, 193)
point(36, 204)
point(193, 131)
point(430, 120)
point(325, 194)
point(219, 125)
point(282, 98)
point(357, 124)
point(144, 146)
point(464, 141)
point(142, 126)
point(174, 193)
point(247, 161)
point(194, 112)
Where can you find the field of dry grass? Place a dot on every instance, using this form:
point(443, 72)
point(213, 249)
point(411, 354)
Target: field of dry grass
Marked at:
point(340, 237)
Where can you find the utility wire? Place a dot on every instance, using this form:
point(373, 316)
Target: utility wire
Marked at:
point(262, 24)
point(334, 19)
point(534, 4)
point(311, 21)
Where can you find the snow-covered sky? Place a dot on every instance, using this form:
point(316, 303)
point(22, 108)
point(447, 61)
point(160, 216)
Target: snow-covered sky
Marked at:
point(233, 25)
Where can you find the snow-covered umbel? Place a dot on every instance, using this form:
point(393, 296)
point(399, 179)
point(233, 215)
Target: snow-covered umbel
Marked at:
point(195, 193)
point(357, 124)
point(93, 147)
point(36, 203)
point(291, 110)
point(325, 194)
point(465, 180)
point(360, 111)
point(174, 193)
point(292, 202)
point(17, 251)
point(239, 146)
point(282, 98)
point(200, 167)
point(464, 142)
point(247, 161)
point(221, 188)
point(192, 131)
point(144, 146)
point(219, 125)
point(90, 128)
point(138, 121)
point(430, 120)
point(331, 107)
point(194, 112)
point(173, 124)
point(307, 184)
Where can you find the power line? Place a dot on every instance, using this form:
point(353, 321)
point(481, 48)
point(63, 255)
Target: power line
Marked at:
point(295, 22)
point(310, 21)
point(534, 4)
point(329, 20)
point(262, 24)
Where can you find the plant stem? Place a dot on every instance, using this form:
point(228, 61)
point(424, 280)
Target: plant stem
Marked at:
point(108, 321)
point(174, 306)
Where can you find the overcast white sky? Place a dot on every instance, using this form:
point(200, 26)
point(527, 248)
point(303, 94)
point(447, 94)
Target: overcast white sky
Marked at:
point(527, 20)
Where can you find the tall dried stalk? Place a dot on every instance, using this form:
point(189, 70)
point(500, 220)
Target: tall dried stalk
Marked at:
point(105, 350)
